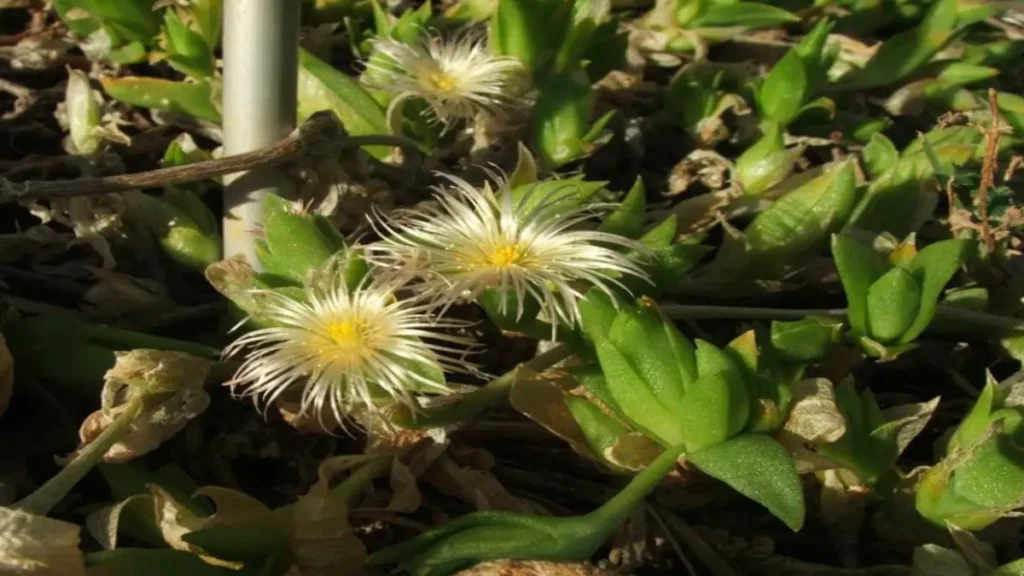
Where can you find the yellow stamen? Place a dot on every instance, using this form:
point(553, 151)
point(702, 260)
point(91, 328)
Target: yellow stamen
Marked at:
point(347, 333)
point(441, 81)
point(505, 256)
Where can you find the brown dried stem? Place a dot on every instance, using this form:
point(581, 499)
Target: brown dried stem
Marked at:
point(322, 133)
point(988, 171)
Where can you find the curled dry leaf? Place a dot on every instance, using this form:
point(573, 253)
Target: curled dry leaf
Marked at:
point(172, 386)
point(532, 568)
point(82, 115)
point(905, 422)
point(934, 560)
point(170, 517)
point(37, 545)
point(813, 418)
point(542, 400)
point(323, 542)
point(94, 219)
point(814, 415)
point(117, 294)
point(6, 375)
point(633, 451)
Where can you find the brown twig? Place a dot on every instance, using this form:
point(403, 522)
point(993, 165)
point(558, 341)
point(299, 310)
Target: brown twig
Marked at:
point(988, 171)
point(322, 133)
point(1016, 163)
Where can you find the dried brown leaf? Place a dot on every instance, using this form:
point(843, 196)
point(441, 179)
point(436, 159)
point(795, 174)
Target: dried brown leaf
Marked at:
point(171, 384)
point(633, 451)
point(37, 545)
point(814, 416)
point(542, 400)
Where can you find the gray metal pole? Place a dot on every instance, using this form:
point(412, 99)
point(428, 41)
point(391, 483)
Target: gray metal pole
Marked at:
point(261, 42)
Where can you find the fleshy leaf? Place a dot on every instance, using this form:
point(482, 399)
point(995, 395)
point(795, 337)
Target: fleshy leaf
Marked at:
point(759, 468)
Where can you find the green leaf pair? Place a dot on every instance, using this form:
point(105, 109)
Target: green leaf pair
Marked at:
point(892, 300)
point(981, 479)
point(792, 81)
point(655, 381)
point(663, 385)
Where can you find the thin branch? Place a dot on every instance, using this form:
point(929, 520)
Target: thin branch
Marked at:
point(322, 133)
point(988, 170)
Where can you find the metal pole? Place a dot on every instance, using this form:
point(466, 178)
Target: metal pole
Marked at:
point(261, 42)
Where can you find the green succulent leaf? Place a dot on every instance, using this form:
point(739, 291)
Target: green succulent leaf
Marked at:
point(752, 14)
point(562, 117)
point(893, 302)
point(295, 241)
point(133, 20)
point(880, 155)
point(322, 87)
point(800, 221)
point(531, 30)
point(639, 405)
point(859, 267)
point(194, 99)
point(932, 269)
point(717, 405)
point(904, 53)
point(785, 89)
point(600, 430)
point(188, 52)
point(975, 422)
point(628, 219)
point(759, 468)
point(805, 340)
point(657, 352)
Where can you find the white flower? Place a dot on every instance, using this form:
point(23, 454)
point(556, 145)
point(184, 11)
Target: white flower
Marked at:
point(457, 77)
point(346, 348)
point(475, 240)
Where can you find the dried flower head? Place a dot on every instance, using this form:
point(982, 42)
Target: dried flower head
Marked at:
point(457, 77)
point(347, 349)
point(534, 246)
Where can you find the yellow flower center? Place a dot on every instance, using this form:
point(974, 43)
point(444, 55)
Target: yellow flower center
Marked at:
point(346, 333)
point(505, 256)
point(441, 81)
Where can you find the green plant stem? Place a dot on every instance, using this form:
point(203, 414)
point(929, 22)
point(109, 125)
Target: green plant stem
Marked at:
point(946, 312)
point(613, 513)
point(120, 339)
point(352, 487)
point(469, 406)
point(53, 491)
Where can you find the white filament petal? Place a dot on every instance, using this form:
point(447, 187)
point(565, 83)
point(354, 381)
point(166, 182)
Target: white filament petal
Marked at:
point(344, 347)
point(456, 77)
point(474, 240)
